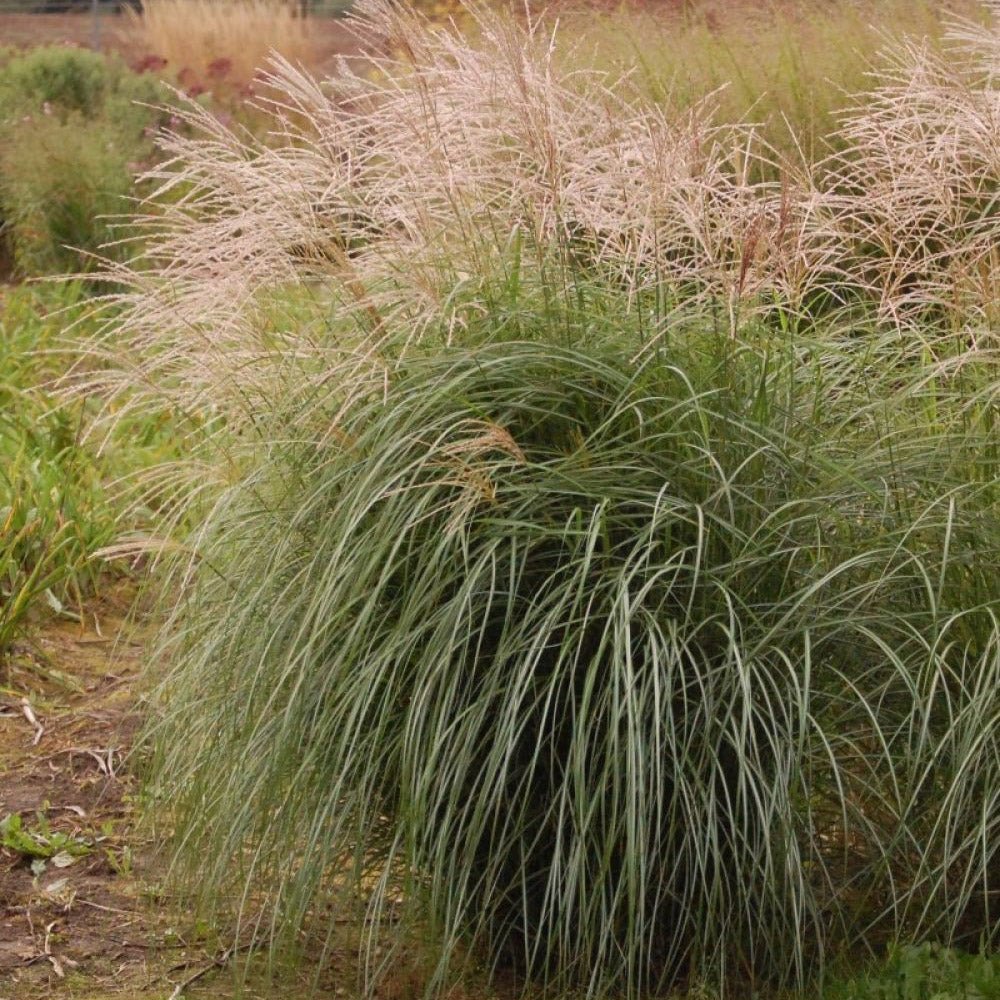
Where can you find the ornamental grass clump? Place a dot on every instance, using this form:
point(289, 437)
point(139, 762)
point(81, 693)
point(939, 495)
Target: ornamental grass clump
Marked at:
point(590, 575)
point(618, 675)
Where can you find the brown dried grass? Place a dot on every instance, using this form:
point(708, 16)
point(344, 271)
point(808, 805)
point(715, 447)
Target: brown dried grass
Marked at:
point(208, 42)
point(417, 195)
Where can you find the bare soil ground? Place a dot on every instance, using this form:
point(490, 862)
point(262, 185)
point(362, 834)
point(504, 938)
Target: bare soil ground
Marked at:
point(100, 925)
point(88, 925)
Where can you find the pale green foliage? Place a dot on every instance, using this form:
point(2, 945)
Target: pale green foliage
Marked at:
point(634, 670)
point(594, 562)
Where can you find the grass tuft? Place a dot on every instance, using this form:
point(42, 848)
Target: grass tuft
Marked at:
point(621, 675)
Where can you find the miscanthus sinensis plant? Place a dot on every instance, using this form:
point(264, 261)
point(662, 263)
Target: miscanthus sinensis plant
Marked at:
point(917, 194)
point(593, 555)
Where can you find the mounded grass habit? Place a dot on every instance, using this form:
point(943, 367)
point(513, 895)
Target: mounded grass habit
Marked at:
point(593, 569)
point(620, 673)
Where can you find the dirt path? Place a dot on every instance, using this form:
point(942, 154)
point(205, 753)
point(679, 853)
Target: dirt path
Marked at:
point(81, 913)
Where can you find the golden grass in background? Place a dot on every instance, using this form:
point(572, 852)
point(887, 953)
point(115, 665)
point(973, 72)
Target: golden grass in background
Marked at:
point(206, 43)
point(790, 66)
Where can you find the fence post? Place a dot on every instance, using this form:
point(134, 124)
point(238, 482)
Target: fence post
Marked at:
point(95, 25)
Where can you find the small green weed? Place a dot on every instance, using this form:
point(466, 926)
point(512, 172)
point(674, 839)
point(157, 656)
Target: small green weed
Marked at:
point(925, 972)
point(40, 842)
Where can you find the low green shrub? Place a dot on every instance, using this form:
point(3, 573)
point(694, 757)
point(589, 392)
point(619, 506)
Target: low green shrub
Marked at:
point(53, 512)
point(62, 183)
point(72, 137)
point(72, 81)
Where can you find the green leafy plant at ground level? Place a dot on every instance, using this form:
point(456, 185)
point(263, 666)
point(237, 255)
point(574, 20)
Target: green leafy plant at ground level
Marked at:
point(924, 972)
point(54, 513)
point(39, 841)
point(57, 504)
